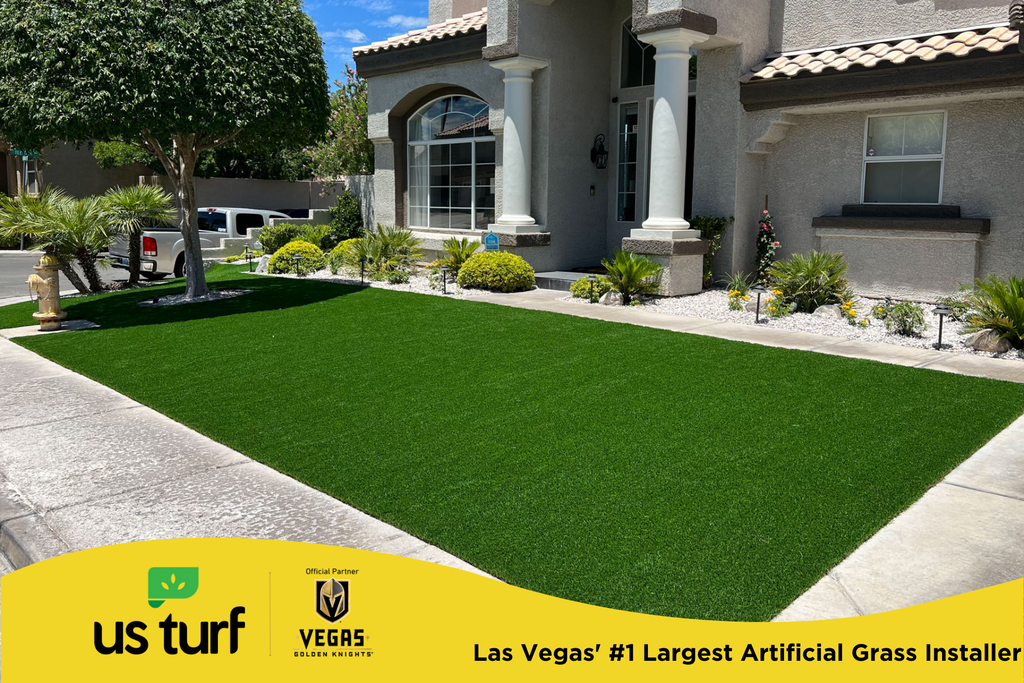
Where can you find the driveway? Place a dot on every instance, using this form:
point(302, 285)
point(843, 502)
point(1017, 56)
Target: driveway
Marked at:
point(16, 266)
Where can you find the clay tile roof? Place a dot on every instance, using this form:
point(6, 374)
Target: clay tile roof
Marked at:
point(474, 22)
point(896, 51)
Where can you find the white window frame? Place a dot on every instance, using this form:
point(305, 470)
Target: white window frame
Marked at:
point(618, 161)
point(456, 141)
point(628, 24)
point(941, 157)
point(30, 167)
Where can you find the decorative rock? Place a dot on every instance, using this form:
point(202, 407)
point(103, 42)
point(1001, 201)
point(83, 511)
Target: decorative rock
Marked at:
point(833, 311)
point(989, 342)
point(611, 299)
point(262, 267)
point(751, 306)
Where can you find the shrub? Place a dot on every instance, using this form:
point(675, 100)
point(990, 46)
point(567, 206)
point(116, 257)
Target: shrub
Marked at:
point(712, 229)
point(459, 251)
point(396, 277)
point(633, 275)
point(961, 303)
point(767, 245)
point(312, 259)
point(346, 218)
point(256, 255)
point(581, 288)
point(738, 285)
point(999, 306)
point(273, 237)
point(906, 319)
point(777, 306)
point(388, 248)
point(341, 256)
point(318, 235)
point(850, 315)
point(818, 279)
point(496, 271)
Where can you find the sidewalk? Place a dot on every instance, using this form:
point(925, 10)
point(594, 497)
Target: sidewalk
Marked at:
point(82, 466)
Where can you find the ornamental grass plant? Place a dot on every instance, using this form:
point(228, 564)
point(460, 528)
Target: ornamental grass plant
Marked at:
point(998, 305)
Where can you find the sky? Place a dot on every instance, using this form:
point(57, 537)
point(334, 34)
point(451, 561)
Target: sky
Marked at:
point(345, 24)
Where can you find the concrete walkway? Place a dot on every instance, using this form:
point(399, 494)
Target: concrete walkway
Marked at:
point(82, 466)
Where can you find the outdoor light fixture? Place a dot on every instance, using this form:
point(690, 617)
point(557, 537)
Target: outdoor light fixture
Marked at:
point(592, 279)
point(598, 154)
point(362, 270)
point(942, 311)
point(248, 256)
point(759, 290)
point(444, 279)
point(297, 258)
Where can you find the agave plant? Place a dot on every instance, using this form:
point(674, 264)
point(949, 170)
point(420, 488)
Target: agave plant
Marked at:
point(998, 305)
point(632, 275)
point(132, 209)
point(459, 252)
point(817, 279)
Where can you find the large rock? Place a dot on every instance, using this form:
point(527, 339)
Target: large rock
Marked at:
point(262, 267)
point(989, 342)
point(611, 299)
point(751, 306)
point(834, 311)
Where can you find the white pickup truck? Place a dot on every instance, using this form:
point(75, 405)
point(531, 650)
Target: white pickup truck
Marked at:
point(163, 248)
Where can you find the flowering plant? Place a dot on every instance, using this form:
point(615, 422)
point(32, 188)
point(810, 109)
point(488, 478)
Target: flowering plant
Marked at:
point(767, 245)
point(777, 306)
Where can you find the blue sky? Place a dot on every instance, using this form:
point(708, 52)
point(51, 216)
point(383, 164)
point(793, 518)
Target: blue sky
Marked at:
point(345, 24)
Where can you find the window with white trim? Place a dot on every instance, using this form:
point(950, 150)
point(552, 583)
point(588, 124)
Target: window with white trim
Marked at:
point(636, 59)
point(30, 176)
point(451, 165)
point(629, 133)
point(904, 157)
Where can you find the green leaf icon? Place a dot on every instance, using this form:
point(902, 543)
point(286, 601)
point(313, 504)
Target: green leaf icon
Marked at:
point(172, 583)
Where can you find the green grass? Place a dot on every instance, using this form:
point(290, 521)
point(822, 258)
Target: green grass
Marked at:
point(611, 464)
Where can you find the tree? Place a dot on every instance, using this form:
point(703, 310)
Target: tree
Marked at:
point(173, 77)
point(347, 150)
point(70, 229)
point(129, 211)
point(229, 161)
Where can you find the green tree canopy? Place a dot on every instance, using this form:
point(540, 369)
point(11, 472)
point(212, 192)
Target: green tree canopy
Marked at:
point(174, 77)
point(347, 150)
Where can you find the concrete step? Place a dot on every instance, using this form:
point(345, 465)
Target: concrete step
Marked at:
point(560, 280)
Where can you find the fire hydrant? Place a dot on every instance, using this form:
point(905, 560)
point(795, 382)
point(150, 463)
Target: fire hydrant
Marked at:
point(46, 284)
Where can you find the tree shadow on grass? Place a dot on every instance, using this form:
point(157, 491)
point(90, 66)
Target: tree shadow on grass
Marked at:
point(268, 294)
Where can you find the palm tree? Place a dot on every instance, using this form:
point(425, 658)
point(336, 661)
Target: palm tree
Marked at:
point(23, 215)
point(633, 275)
point(70, 229)
point(130, 210)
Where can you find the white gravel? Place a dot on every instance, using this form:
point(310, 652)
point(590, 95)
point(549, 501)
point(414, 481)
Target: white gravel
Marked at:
point(179, 299)
point(714, 305)
point(418, 284)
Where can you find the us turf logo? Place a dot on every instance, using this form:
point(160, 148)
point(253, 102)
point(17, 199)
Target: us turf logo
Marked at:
point(172, 583)
point(332, 599)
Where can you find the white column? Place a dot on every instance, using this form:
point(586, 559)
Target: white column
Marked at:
point(517, 140)
point(668, 134)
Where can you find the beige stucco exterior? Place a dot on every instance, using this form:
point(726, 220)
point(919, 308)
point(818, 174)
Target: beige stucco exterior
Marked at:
point(807, 159)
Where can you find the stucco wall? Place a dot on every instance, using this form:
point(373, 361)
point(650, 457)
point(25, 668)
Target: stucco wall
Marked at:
point(817, 168)
point(76, 172)
point(798, 24)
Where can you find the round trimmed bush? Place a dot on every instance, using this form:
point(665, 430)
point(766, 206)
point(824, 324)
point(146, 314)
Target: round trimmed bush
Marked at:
point(342, 255)
point(581, 288)
point(496, 271)
point(312, 258)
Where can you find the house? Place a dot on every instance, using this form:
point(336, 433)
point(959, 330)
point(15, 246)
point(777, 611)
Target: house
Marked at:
point(889, 130)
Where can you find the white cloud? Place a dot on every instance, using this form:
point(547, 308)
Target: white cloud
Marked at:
point(402, 21)
point(354, 36)
point(372, 5)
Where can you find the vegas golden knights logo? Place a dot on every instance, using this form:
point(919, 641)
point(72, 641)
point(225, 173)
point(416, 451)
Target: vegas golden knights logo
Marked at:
point(332, 599)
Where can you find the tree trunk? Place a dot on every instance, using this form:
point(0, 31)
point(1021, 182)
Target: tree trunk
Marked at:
point(68, 269)
point(134, 257)
point(195, 283)
point(87, 261)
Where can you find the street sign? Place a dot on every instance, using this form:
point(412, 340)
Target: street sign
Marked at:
point(491, 242)
point(22, 153)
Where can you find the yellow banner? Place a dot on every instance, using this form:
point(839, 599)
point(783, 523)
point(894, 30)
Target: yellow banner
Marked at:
point(232, 609)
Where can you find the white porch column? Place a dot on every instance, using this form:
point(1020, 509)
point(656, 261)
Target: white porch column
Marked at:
point(668, 134)
point(517, 140)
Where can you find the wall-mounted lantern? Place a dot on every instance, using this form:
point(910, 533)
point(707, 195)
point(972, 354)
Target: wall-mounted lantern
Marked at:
point(598, 154)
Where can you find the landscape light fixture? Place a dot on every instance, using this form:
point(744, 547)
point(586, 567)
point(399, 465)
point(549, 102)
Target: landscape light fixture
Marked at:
point(444, 279)
point(598, 154)
point(362, 270)
point(248, 256)
point(592, 279)
point(297, 258)
point(759, 290)
point(942, 311)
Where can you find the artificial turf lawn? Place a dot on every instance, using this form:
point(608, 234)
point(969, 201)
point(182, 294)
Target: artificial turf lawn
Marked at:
point(611, 464)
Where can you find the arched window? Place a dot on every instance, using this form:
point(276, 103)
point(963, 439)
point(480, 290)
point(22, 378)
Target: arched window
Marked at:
point(637, 59)
point(451, 165)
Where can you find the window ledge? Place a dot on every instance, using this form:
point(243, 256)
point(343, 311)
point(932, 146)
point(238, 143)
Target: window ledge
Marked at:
point(946, 226)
